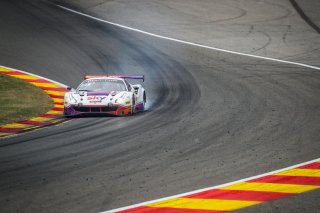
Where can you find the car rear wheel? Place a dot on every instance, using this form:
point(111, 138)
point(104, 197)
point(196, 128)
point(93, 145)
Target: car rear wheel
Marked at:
point(144, 100)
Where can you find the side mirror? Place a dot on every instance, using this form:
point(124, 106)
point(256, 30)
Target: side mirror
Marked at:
point(136, 89)
point(69, 88)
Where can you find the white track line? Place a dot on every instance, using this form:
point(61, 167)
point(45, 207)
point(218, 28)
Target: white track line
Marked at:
point(188, 42)
point(210, 188)
point(211, 48)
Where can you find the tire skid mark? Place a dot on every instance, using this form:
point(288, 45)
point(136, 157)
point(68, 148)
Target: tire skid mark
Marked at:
point(54, 90)
point(304, 16)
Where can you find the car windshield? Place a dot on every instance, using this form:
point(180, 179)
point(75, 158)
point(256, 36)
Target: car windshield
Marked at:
point(102, 85)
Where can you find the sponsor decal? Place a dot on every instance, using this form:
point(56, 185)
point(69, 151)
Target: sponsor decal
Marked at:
point(95, 99)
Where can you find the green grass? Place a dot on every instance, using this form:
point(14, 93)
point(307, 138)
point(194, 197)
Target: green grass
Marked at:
point(20, 100)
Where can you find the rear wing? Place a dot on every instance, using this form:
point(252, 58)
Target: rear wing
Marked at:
point(116, 76)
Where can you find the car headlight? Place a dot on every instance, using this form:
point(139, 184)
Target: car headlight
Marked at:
point(69, 100)
point(122, 101)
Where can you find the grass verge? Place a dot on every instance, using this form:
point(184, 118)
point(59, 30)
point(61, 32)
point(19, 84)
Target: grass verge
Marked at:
point(20, 100)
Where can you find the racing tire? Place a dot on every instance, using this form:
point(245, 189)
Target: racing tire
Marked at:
point(144, 101)
point(144, 98)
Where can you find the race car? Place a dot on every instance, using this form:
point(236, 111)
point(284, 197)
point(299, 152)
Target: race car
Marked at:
point(112, 95)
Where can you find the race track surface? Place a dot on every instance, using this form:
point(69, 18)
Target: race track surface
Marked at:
point(212, 117)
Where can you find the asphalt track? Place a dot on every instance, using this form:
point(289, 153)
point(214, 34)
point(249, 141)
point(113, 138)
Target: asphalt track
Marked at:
point(212, 118)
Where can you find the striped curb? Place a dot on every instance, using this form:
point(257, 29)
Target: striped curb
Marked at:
point(236, 195)
point(54, 116)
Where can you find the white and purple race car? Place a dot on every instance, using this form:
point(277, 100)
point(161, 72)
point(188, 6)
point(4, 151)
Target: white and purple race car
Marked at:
point(112, 95)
